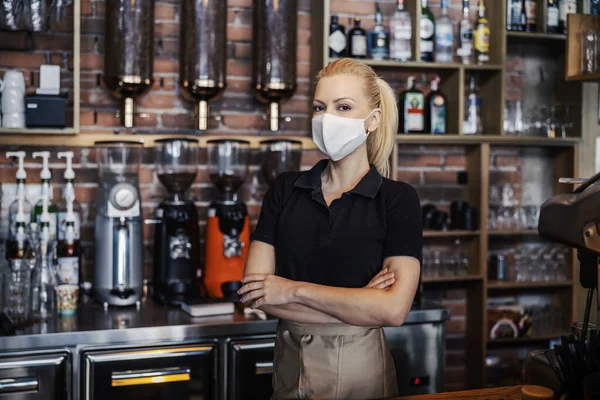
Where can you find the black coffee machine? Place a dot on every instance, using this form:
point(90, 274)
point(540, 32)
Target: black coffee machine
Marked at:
point(177, 235)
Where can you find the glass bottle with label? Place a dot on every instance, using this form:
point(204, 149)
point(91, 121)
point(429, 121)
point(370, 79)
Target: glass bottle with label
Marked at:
point(337, 38)
point(444, 36)
point(68, 248)
point(482, 36)
point(595, 7)
point(436, 109)
point(19, 213)
point(473, 124)
point(566, 7)
point(514, 15)
point(358, 40)
point(427, 32)
point(379, 39)
point(400, 34)
point(412, 109)
point(465, 36)
point(530, 15)
point(552, 16)
point(45, 177)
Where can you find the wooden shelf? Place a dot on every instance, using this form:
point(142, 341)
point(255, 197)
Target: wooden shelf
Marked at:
point(450, 234)
point(535, 38)
point(519, 232)
point(454, 279)
point(492, 139)
point(578, 24)
point(527, 285)
point(523, 340)
point(428, 65)
point(37, 131)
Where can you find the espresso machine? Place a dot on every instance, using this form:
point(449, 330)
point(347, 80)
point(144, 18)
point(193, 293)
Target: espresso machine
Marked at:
point(279, 155)
point(228, 226)
point(118, 268)
point(177, 235)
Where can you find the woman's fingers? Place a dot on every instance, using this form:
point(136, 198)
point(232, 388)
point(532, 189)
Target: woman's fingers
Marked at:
point(253, 296)
point(380, 279)
point(254, 278)
point(248, 287)
point(386, 284)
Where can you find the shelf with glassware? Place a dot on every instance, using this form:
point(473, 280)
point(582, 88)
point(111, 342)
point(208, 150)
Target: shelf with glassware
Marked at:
point(14, 121)
point(582, 48)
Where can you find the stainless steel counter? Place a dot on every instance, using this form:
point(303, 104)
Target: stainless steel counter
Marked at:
point(92, 325)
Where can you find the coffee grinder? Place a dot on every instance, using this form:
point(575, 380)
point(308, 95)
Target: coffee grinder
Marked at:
point(227, 227)
point(279, 155)
point(118, 268)
point(177, 235)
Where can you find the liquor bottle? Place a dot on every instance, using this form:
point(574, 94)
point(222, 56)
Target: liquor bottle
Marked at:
point(530, 15)
point(379, 38)
point(566, 7)
point(465, 36)
point(358, 40)
point(444, 36)
point(552, 16)
point(400, 34)
point(515, 16)
point(412, 107)
point(472, 123)
point(482, 36)
point(436, 109)
point(337, 38)
point(69, 214)
point(427, 32)
point(46, 193)
point(19, 213)
point(595, 7)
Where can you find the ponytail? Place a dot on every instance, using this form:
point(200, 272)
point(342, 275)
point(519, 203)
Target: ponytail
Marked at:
point(381, 142)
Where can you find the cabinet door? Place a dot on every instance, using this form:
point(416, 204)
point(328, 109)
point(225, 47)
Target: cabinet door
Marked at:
point(33, 377)
point(251, 369)
point(152, 373)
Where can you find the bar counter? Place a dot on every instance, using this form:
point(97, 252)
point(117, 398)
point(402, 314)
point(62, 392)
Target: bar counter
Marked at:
point(151, 323)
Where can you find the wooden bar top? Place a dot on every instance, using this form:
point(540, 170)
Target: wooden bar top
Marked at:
point(500, 393)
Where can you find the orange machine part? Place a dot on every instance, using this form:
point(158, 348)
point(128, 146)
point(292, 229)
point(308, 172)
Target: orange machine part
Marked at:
point(218, 268)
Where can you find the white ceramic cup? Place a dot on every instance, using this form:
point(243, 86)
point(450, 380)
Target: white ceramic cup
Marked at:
point(15, 120)
point(13, 101)
point(13, 79)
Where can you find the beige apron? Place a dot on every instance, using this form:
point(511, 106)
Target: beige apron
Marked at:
point(332, 362)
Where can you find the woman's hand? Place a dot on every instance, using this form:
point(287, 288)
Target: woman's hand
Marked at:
point(383, 280)
point(266, 289)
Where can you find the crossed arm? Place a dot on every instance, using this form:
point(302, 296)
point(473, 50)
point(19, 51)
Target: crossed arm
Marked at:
point(385, 301)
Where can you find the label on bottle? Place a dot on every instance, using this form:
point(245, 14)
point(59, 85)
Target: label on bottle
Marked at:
point(62, 227)
point(444, 43)
point(378, 45)
point(553, 17)
point(438, 115)
point(473, 114)
point(482, 39)
point(68, 270)
point(359, 46)
point(427, 28)
point(567, 7)
point(337, 41)
point(401, 28)
point(466, 43)
point(530, 12)
point(413, 111)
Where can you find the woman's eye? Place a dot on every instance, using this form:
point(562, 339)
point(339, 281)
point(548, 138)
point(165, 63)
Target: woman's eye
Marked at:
point(344, 107)
point(317, 108)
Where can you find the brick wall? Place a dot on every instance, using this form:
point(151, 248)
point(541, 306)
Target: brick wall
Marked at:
point(431, 169)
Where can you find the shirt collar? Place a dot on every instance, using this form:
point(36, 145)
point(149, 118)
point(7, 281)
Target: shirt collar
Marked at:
point(368, 186)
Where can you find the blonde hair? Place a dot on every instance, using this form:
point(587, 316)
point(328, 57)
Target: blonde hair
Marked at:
point(380, 142)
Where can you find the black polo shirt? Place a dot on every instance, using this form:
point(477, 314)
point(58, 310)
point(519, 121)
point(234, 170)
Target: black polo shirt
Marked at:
point(344, 244)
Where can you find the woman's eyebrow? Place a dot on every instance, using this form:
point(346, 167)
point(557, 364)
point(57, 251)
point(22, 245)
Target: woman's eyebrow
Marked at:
point(343, 98)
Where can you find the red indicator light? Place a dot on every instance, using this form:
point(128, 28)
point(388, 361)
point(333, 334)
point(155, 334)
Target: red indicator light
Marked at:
point(417, 381)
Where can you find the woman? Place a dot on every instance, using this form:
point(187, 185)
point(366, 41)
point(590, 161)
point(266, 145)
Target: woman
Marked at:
point(337, 249)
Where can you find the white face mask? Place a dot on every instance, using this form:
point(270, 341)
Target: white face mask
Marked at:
point(337, 137)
